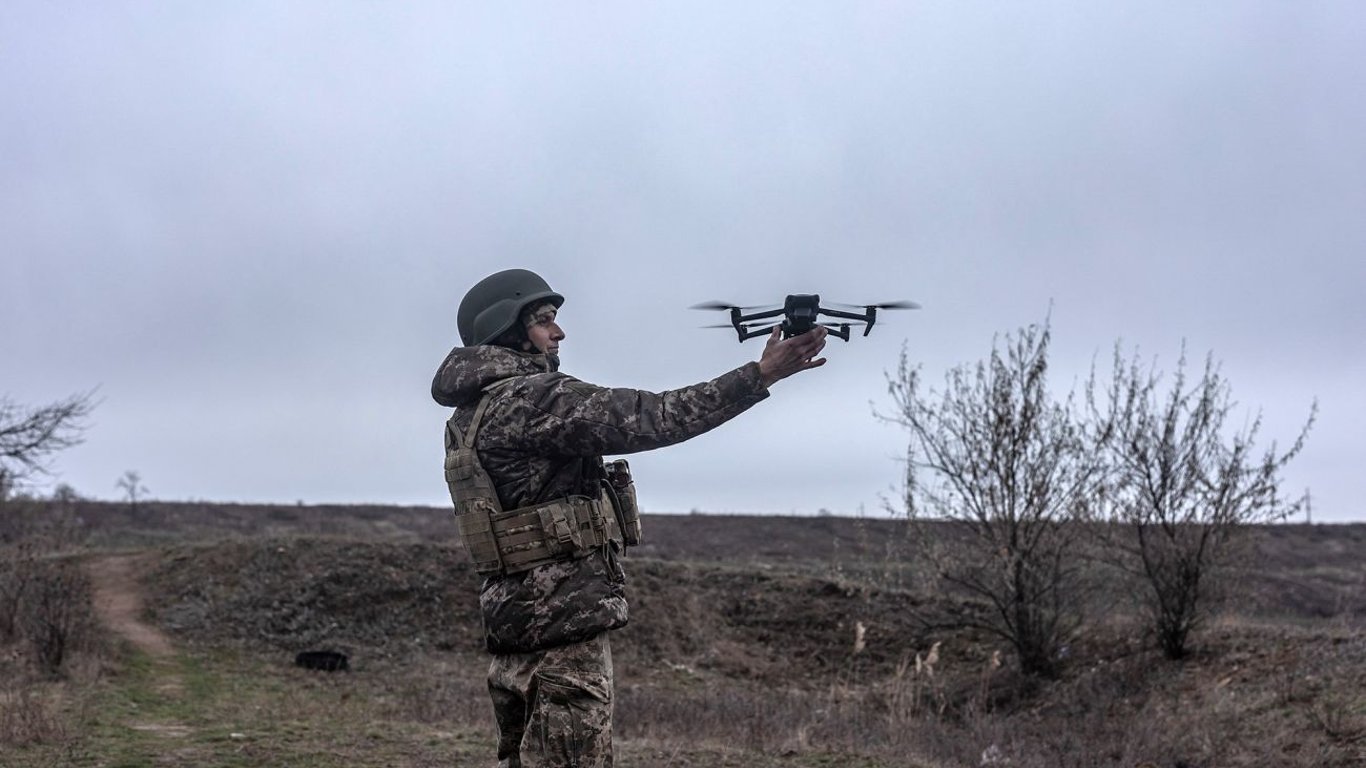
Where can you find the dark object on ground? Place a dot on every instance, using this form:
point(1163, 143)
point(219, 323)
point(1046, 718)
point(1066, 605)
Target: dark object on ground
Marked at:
point(327, 661)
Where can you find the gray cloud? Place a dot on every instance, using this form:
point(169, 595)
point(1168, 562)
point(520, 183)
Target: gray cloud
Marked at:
point(251, 224)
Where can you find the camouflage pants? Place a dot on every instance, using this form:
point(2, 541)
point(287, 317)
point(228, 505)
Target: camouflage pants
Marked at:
point(554, 708)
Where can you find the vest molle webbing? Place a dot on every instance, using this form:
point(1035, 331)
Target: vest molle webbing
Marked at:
point(520, 539)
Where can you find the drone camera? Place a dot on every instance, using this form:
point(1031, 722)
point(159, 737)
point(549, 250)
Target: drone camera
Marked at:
point(800, 311)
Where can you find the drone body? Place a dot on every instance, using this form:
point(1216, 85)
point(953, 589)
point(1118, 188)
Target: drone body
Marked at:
point(800, 313)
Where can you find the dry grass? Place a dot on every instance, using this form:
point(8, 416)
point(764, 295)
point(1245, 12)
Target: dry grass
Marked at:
point(251, 707)
point(28, 716)
point(41, 713)
point(754, 661)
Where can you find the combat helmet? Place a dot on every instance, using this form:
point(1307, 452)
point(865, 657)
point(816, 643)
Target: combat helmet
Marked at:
point(493, 305)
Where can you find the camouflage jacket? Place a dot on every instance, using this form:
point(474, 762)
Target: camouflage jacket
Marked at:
point(543, 437)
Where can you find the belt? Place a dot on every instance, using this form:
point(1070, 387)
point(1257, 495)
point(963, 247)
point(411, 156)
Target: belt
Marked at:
point(562, 529)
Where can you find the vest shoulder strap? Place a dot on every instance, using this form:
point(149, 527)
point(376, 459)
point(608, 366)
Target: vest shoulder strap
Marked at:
point(458, 439)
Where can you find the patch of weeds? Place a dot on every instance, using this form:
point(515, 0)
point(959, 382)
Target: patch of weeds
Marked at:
point(223, 708)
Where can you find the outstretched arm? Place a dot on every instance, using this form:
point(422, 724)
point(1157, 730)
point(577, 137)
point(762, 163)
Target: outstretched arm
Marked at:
point(560, 415)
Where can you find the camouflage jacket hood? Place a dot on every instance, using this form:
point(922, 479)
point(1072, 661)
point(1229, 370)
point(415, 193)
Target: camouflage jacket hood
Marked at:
point(465, 372)
point(543, 437)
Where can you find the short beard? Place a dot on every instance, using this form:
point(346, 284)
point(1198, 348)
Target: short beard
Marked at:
point(552, 362)
point(517, 341)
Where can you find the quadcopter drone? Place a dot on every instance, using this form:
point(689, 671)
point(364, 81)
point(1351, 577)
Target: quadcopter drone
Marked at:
point(800, 313)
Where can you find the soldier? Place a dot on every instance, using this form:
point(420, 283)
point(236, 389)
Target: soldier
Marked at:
point(542, 517)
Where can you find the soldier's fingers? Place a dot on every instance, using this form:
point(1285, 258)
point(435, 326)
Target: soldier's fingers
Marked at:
point(773, 339)
point(811, 346)
point(806, 346)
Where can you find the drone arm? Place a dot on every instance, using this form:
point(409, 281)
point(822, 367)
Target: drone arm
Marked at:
point(866, 316)
point(739, 318)
point(840, 331)
point(749, 333)
point(872, 318)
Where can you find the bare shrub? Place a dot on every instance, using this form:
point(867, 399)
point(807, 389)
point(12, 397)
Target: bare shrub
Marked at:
point(55, 615)
point(27, 718)
point(1008, 469)
point(1183, 485)
point(39, 525)
point(33, 535)
point(16, 572)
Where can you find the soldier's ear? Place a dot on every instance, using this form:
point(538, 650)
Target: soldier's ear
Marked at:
point(514, 339)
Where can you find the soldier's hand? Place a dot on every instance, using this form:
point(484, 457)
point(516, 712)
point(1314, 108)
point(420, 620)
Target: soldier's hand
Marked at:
point(784, 357)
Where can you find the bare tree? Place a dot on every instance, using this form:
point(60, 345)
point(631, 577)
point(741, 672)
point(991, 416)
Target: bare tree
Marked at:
point(1008, 468)
point(29, 436)
point(133, 489)
point(1183, 485)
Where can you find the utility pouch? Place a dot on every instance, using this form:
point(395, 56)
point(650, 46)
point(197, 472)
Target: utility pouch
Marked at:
point(561, 530)
point(475, 505)
point(476, 532)
point(472, 493)
point(623, 494)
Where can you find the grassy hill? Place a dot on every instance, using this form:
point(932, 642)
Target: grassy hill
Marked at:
point(740, 651)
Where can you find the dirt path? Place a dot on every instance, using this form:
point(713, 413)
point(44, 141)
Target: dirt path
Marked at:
point(118, 603)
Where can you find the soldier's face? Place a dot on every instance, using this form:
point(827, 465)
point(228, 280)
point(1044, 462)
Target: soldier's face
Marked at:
point(545, 333)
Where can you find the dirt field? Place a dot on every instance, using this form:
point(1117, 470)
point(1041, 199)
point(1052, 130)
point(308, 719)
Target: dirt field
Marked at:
point(741, 651)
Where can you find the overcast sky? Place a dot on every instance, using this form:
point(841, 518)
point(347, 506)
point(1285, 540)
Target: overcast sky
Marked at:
point(249, 225)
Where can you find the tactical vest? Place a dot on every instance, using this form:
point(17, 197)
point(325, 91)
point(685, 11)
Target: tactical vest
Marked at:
point(515, 540)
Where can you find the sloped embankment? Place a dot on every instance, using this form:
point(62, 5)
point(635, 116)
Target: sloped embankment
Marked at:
point(297, 593)
point(392, 599)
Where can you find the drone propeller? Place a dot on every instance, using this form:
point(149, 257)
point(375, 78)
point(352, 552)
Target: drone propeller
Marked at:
point(884, 305)
point(745, 326)
point(721, 305)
